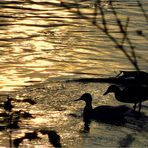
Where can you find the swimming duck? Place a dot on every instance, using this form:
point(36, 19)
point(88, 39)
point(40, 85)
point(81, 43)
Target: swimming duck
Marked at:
point(103, 113)
point(131, 94)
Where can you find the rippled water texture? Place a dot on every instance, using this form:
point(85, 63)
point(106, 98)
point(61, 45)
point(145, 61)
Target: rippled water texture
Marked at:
point(57, 110)
point(41, 39)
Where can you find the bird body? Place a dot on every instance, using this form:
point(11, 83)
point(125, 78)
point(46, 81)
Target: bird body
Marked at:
point(104, 113)
point(131, 94)
point(111, 112)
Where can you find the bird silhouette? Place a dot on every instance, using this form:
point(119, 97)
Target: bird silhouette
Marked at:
point(103, 113)
point(130, 94)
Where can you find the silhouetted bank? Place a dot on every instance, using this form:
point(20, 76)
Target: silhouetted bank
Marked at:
point(127, 78)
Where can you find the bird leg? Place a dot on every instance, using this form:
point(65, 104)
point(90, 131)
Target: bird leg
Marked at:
point(135, 106)
point(139, 107)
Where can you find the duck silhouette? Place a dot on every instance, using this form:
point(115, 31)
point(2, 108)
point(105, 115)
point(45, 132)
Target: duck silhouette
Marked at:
point(103, 113)
point(130, 94)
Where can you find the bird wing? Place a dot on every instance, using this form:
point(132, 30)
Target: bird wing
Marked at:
point(135, 94)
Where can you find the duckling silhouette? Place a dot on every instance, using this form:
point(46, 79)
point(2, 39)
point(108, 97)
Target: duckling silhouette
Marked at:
point(130, 94)
point(103, 113)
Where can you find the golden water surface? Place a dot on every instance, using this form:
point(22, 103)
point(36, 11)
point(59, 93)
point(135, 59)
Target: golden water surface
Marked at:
point(41, 39)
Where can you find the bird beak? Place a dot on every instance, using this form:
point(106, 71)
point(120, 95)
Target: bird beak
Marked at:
point(78, 99)
point(106, 93)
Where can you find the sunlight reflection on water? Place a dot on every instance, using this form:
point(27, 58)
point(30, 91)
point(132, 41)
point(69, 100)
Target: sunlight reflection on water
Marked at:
point(57, 110)
point(40, 40)
point(44, 40)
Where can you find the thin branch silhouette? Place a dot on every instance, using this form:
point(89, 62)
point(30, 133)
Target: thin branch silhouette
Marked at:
point(130, 54)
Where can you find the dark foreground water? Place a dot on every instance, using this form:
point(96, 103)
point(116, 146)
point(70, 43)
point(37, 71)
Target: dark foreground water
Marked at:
point(57, 110)
point(42, 39)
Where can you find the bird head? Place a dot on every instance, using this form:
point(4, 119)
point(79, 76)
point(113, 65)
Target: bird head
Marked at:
point(111, 88)
point(85, 97)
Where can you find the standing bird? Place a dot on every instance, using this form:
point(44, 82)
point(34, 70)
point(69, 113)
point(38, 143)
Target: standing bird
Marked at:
point(103, 113)
point(131, 94)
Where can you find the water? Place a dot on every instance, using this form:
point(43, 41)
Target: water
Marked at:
point(42, 39)
point(57, 110)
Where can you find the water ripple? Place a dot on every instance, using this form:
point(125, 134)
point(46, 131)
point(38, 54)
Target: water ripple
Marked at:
point(41, 39)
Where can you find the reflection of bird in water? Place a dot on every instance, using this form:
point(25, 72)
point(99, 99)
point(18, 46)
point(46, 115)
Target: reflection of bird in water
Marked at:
point(104, 113)
point(132, 94)
point(53, 137)
point(127, 140)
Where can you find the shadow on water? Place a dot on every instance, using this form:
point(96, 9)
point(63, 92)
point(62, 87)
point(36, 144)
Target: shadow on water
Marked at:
point(10, 120)
point(55, 101)
point(53, 137)
point(119, 116)
point(136, 123)
point(127, 141)
point(56, 110)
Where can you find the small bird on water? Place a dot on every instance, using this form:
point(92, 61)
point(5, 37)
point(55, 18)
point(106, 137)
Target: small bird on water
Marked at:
point(131, 94)
point(103, 113)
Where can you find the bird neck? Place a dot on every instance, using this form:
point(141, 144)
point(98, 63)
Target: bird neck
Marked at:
point(88, 106)
point(118, 94)
point(87, 113)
